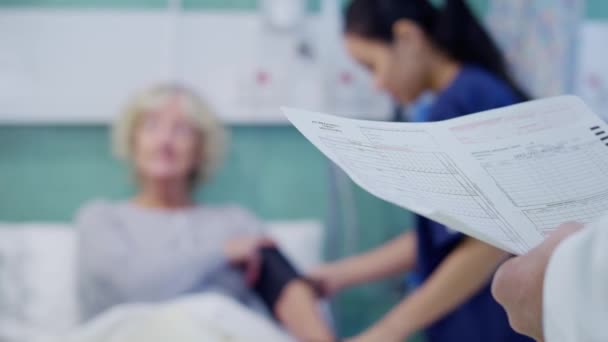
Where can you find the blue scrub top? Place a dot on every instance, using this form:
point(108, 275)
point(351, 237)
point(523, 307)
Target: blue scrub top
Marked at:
point(480, 319)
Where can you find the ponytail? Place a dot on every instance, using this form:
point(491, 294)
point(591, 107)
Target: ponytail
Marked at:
point(453, 29)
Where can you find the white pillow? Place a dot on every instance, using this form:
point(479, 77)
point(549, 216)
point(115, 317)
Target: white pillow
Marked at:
point(301, 241)
point(12, 268)
point(37, 277)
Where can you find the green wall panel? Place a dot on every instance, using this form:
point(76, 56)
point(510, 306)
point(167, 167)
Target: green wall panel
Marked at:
point(596, 9)
point(479, 6)
point(47, 172)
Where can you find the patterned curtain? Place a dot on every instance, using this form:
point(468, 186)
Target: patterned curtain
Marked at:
point(539, 39)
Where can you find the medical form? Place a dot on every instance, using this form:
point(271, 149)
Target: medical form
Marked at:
point(506, 176)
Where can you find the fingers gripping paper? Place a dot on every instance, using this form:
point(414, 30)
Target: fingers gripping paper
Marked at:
point(506, 176)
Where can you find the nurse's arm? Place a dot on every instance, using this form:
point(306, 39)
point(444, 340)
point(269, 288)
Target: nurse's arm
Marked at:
point(461, 274)
point(394, 257)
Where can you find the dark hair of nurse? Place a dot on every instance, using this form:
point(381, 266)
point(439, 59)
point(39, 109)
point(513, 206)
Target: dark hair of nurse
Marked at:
point(410, 46)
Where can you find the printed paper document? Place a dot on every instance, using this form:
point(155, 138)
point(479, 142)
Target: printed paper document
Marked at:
point(508, 176)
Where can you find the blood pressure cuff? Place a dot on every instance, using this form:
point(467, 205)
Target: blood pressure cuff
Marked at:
point(275, 273)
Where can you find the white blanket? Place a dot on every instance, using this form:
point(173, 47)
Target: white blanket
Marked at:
point(207, 317)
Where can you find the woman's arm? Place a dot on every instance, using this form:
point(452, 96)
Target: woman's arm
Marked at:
point(298, 310)
point(466, 270)
point(396, 256)
point(292, 301)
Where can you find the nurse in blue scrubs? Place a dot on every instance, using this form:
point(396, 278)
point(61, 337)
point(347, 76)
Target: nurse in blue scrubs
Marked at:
point(412, 47)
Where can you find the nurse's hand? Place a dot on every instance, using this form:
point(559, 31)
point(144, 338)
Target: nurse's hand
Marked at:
point(245, 252)
point(518, 283)
point(328, 279)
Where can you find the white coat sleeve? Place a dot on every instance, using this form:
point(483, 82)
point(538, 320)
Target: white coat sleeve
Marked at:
point(575, 300)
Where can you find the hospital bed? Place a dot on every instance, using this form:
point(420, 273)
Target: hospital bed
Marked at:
point(38, 277)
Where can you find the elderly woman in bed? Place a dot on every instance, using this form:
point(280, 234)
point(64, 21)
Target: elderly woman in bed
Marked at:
point(160, 244)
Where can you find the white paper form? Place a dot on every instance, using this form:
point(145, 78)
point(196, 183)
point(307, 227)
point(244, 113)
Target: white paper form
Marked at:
point(507, 176)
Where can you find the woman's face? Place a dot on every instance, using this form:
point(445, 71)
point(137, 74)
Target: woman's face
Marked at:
point(399, 69)
point(166, 143)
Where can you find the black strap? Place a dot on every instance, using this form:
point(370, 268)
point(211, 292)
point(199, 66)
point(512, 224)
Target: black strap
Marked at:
point(275, 273)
